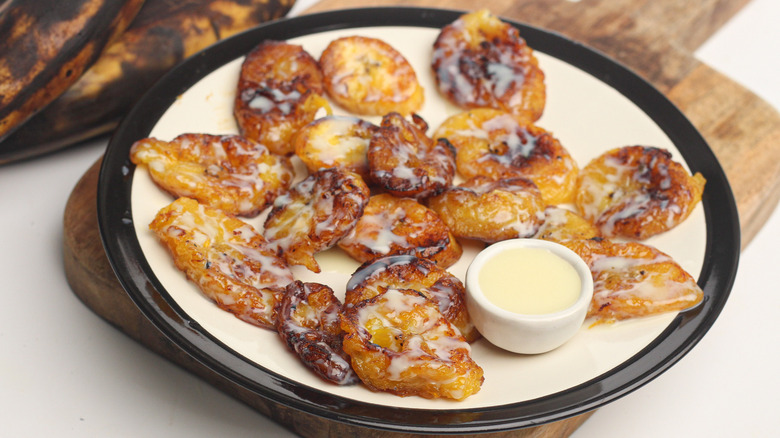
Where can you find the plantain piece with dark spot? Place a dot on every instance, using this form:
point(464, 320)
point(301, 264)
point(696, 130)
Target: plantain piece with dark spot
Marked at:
point(164, 33)
point(45, 46)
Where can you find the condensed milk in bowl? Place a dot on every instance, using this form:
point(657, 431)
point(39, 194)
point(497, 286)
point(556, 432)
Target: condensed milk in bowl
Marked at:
point(528, 295)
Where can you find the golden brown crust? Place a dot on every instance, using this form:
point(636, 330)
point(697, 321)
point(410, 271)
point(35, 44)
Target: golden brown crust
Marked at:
point(335, 141)
point(228, 172)
point(400, 343)
point(637, 192)
point(497, 144)
point(561, 224)
point(490, 211)
point(315, 214)
point(633, 280)
point(480, 61)
point(279, 91)
point(393, 226)
point(421, 275)
point(225, 257)
point(405, 162)
point(367, 76)
point(307, 320)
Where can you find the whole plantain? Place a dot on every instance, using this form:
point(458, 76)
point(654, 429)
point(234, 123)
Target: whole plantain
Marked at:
point(45, 46)
point(164, 33)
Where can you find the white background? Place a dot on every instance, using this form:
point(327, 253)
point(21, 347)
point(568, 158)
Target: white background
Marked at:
point(65, 372)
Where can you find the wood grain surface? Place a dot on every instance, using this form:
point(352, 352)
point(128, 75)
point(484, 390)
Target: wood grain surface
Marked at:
point(653, 38)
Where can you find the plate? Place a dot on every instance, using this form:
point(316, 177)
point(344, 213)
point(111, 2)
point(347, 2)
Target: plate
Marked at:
point(593, 104)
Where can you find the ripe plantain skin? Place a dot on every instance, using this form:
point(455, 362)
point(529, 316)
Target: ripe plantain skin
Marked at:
point(164, 33)
point(45, 46)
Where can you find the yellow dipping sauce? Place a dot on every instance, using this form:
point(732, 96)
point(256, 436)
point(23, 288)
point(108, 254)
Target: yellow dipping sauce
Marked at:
point(529, 281)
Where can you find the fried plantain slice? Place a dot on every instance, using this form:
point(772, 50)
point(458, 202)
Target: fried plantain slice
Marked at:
point(405, 162)
point(228, 172)
point(399, 342)
point(490, 211)
point(392, 225)
point(637, 192)
point(632, 280)
point(315, 214)
point(225, 257)
point(367, 76)
point(279, 91)
point(335, 141)
point(424, 276)
point(480, 61)
point(561, 224)
point(497, 144)
point(307, 320)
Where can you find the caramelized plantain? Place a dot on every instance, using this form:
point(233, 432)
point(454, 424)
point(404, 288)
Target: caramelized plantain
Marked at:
point(307, 319)
point(637, 192)
point(225, 257)
point(391, 226)
point(229, 172)
point(399, 342)
point(279, 92)
point(367, 76)
point(480, 61)
point(490, 211)
point(405, 162)
point(632, 280)
point(421, 275)
point(315, 215)
point(335, 141)
point(497, 144)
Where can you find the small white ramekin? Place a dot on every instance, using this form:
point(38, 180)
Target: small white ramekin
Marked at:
point(521, 333)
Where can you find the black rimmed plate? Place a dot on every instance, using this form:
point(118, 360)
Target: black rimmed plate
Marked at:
point(593, 105)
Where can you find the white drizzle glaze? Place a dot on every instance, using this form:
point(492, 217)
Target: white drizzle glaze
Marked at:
point(501, 77)
point(384, 239)
point(210, 167)
point(507, 217)
point(650, 289)
point(333, 142)
point(298, 223)
point(274, 98)
point(616, 175)
point(207, 230)
point(427, 331)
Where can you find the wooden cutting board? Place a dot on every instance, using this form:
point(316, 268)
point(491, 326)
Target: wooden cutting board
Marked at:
point(655, 38)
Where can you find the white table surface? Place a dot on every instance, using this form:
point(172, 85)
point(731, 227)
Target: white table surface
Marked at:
point(65, 372)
